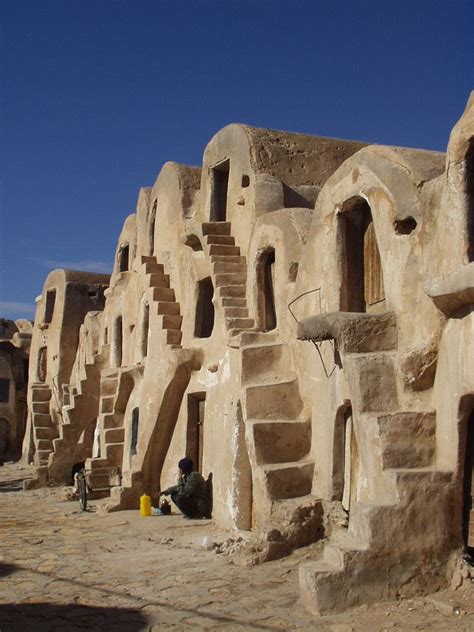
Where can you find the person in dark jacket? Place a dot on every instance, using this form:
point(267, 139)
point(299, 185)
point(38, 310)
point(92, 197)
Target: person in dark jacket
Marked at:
point(190, 495)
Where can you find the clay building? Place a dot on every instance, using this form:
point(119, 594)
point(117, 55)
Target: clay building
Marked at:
point(15, 339)
point(296, 316)
point(61, 308)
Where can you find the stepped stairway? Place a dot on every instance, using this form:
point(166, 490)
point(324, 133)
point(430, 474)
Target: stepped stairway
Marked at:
point(109, 463)
point(164, 298)
point(278, 429)
point(44, 431)
point(229, 271)
point(78, 403)
point(368, 562)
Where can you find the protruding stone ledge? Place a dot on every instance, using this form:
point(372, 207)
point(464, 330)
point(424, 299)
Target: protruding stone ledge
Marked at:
point(354, 332)
point(452, 291)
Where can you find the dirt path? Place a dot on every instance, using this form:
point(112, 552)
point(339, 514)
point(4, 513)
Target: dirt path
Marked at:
point(65, 570)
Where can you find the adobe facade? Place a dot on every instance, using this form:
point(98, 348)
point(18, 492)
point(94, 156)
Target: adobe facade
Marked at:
point(15, 340)
point(296, 316)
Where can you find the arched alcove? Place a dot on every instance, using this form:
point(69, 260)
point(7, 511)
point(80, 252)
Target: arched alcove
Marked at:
point(362, 285)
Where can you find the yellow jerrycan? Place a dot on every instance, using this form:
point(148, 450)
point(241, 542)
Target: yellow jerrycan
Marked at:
point(145, 505)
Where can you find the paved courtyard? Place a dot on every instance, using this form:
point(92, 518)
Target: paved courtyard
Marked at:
point(65, 570)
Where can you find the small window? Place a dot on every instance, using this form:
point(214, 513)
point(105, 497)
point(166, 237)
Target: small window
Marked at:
point(245, 182)
point(49, 306)
point(4, 390)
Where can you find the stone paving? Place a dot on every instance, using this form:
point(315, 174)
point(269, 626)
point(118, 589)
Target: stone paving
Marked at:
point(61, 569)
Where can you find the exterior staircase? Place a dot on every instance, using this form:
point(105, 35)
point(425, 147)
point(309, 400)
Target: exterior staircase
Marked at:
point(229, 271)
point(44, 431)
point(278, 429)
point(372, 559)
point(164, 298)
point(109, 463)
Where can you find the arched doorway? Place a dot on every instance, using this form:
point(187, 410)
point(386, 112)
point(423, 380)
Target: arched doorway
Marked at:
point(362, 285)
point(266, 292)
point(219, 190)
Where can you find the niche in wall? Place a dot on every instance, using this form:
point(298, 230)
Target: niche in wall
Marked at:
point(204, 321)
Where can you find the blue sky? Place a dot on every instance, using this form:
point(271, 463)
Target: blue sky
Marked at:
point(96, 95)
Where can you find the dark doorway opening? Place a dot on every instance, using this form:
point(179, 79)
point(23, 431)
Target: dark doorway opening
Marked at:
point(468, 487)
point(195, 428)
point(118, 335)
point(266, 292)
point(49, 307)
point(145, 329)
point(362, 287)
point(151, 230)
point(204, 323)
point(123, 258)
point(134, 437)
point(219, 190)
point(4, 436)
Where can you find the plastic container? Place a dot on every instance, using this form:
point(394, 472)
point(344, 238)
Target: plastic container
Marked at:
point(145, 506)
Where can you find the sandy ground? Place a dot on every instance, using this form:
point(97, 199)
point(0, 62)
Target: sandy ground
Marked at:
point(61, 569)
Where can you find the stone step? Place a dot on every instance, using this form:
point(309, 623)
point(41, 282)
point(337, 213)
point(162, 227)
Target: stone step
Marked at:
point(216, 249)
point(169, 321)
point(222, 267)
point(44, 445)
point(41, 420)
point(239, 260)
point(258, 338)
point(407, 439)
point(110, 421)
point(40, 407)
point(45, 433)
point(216, 228)
point(148, 259)
point(163, 294)
point(153, 267)
point(240, 323)
point(173, 336)
point(43, 456)
point(227, 240)
point(42, 394)
point(236, 278)
point(168, 308)
point(114, 435)
point(114, 453)
point(265, 363)
point(158, 280)
point(279, 441)
point(280, 400)
point(107, 404)
point(289, 480)
point(230, 301)
point(98, 481)
point(236, 312)
point(233, 291)
point(108, 386)
point(97, 463)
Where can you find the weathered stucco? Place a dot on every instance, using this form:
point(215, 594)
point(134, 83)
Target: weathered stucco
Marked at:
point(296, 316)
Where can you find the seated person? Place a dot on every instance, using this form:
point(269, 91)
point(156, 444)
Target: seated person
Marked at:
point(190, 495)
